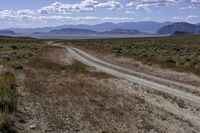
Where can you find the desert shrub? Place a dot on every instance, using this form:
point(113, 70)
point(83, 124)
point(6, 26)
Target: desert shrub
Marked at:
point(6, 124)
point(8, 102)
point(8, 93)
point(14, 47)
point(17, 66)
point(181, 53)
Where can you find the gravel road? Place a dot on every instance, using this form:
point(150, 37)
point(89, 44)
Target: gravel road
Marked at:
point(130, 75)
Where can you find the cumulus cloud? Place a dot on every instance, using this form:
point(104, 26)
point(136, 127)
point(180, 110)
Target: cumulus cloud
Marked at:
point(63, 11)
point(195, 1)
point(188, 7)
point(111, 5)
point(147, 18)
point(190, 17)
point(129, 12)
point(11, 15)
point(87, 18)
point(61, 8)
point(178, 18)
point(83, 6)
point(145, 4)
point(25, 12)
point(28, 15)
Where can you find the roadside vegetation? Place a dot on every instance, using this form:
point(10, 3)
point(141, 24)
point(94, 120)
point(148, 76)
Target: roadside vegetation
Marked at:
point(181, 52)
point(73, 100)
point(14, 52)
point(8, 101)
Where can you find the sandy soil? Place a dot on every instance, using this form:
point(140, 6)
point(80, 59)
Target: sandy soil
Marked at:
point(58, 94)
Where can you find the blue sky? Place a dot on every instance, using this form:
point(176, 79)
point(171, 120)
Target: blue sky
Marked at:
point(42, 13)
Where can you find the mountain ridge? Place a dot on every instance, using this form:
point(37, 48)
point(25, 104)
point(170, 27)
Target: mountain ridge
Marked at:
point(146, 26)
point(181, 27)
point(73, 31)
point(122, 32)
point(76, 31)
point(2, 32)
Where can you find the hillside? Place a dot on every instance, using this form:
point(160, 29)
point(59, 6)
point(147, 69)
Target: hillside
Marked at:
point(122, 32)
point(148, 26)
point(181, 33)
point(2, 32)
point(73, 31)
point(181, 26)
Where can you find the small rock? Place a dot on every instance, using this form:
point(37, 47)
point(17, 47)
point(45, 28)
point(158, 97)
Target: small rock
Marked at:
point(33, 126)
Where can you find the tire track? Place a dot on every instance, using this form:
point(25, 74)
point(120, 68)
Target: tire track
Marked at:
point(127, 74)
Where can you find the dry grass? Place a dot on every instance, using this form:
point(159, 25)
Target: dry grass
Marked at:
point(73, 102)
point(8, 92)
point(14, 52)
point(180, 53)
point(172, 99)
point(8, 102)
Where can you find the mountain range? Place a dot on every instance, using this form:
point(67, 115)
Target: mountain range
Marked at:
point(73, 31)
point(126, 28)
point(123, 32)
point(148, 26)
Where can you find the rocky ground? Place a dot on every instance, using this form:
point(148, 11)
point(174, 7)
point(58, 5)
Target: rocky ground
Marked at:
point(59, 94)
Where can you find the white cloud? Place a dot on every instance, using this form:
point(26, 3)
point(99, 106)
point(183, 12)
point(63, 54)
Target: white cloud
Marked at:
point(25, 12)
point(83, 6)
point(190, 17)
point(178, 18)
point(61, 8)
point(27, 15)
point(63, 11)
point(10, 15)
point(195, 1)
point(188, 7)
point(111, 5)
point(147, 18)
point(129, 12)
point(146, 4)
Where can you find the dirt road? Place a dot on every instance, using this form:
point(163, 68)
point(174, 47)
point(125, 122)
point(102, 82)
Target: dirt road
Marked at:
point(61, 94)
point(128, 74)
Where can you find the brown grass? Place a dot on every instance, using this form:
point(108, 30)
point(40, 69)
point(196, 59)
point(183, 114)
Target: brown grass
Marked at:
point(71, 99)
point(8, 102)
point(172, 99)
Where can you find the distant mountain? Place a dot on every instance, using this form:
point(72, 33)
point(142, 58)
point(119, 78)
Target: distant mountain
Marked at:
point(148, 26)
point(73, 31)
point(122, 32)
point(181, 33)
point(181, 26)
point(38, 33)
point(2, 32)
